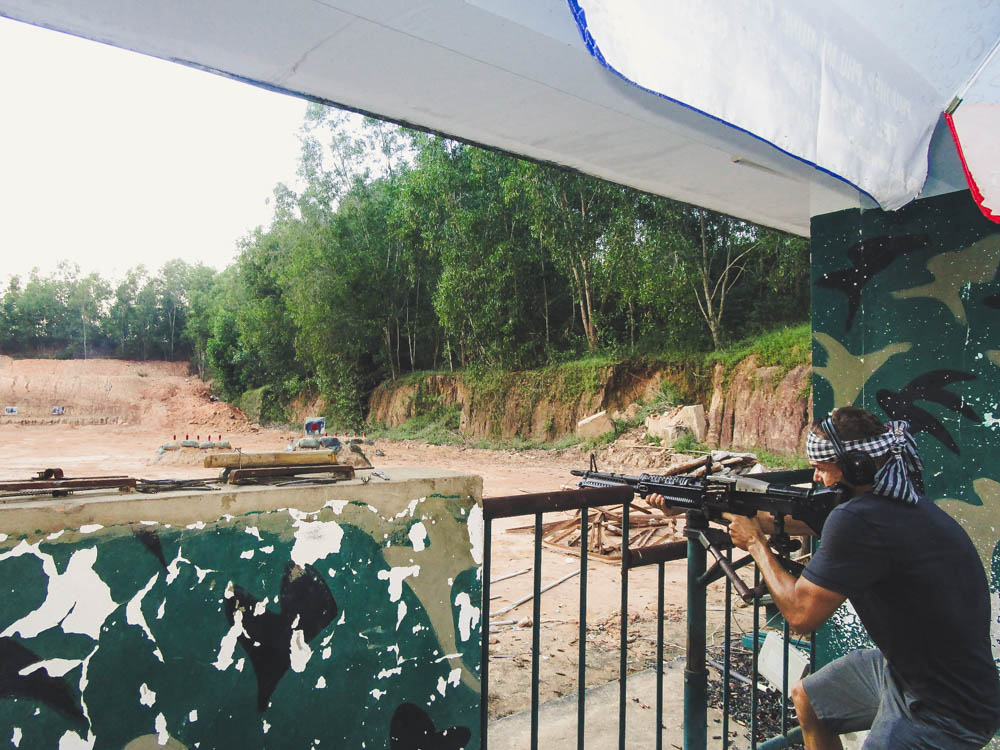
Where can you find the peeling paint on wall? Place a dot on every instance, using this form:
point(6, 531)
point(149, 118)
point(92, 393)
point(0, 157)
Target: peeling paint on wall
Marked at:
point(225, 635)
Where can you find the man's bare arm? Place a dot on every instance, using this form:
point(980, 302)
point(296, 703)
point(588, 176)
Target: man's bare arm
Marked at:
point(793, 527)
point(803, 604)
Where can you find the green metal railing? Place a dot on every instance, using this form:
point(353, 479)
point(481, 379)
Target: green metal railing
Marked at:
point(699, 577)
point(536, 505)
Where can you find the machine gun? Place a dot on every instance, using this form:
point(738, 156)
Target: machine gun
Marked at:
point(712, 495)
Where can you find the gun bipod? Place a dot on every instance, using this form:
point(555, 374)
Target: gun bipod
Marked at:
point(721, 562)
point(712, 540)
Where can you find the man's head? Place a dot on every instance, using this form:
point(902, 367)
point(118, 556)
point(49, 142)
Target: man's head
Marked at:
point(851, 424)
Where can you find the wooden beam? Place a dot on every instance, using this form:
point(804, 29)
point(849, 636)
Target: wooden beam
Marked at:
point(277, 458)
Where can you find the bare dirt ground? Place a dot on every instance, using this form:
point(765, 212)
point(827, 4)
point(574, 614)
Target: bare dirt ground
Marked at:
point(156, 401)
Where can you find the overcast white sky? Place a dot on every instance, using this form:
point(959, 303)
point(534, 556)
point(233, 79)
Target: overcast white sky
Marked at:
point(110, 159)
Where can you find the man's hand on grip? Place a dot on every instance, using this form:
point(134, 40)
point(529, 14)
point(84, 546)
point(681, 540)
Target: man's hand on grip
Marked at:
point(660, 503)
point(743, 531)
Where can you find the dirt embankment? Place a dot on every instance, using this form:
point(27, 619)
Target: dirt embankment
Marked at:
point(157, 395)
point(760, 408)
point(753, 408)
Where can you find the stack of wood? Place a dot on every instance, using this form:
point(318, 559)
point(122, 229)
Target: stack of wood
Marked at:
point(647, 526)
point(604, 531)
point(722, 462)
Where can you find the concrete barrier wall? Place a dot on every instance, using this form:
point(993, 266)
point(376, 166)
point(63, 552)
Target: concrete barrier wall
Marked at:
point(339, 616)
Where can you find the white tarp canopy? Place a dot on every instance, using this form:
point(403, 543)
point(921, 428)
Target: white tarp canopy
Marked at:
point(769, 122)
point(852, 88)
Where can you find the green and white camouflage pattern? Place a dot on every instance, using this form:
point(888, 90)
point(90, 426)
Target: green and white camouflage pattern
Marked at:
point(306, 626)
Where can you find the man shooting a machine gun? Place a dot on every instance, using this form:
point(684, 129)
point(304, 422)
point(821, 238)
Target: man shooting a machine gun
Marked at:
point(915, 580)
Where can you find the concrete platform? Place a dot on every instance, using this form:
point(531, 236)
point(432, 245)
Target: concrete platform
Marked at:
point(557, 719)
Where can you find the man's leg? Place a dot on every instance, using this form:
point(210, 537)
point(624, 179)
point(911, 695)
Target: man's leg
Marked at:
point(814, 735)
point(901, 725)
point(841, 697)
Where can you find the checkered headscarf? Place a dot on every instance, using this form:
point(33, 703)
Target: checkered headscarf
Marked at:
point(898, 479)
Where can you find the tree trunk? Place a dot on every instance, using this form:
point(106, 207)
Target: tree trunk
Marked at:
point(172, 317)
point(412, 335)
point(545, 303)
point(582, 285)
point(591, 328)
point(388, 348)
point(631, 323)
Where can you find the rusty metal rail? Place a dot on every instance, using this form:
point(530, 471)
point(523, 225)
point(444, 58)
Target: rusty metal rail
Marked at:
point(247, 476)
point(60, 487)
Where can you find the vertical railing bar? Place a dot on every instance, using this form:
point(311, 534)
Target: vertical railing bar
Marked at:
point(484, 657)
point(753, 669)
point(623, 663)
point(784, 679)
point(696, 668)
point(660, 586)
point(726, 659)
point(581, 692)
point(536, 630)
point(812, 636)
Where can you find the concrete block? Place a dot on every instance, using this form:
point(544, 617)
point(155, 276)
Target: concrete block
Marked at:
point(693, 417)
point(771, 657)
point(690, 418)
point(664, 427)
point(629, 412)
point(594, 426)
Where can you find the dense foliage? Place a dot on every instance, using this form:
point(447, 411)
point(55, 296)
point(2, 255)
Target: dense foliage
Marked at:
point(161, 315)
point(406, 252)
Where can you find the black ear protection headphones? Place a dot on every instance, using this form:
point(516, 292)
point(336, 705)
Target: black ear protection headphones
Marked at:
point(857, 466)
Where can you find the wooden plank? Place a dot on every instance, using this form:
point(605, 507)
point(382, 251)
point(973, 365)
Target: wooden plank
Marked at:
point(646, 536)
point(277, 458)
point(591, 554)
point(547, 527)
point(558, 536)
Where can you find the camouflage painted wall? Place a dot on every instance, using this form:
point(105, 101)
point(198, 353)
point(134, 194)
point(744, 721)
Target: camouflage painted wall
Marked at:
point(347, 625)
point(906, 323)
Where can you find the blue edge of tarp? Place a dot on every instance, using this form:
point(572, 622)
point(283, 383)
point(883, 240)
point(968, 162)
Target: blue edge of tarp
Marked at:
point(580, 16)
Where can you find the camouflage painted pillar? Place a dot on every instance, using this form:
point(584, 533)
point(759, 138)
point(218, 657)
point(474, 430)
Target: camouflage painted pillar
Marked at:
point(332, 617)
point(906, 323)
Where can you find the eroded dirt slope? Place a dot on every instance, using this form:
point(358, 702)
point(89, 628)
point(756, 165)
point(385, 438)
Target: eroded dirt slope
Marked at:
point(156, 395)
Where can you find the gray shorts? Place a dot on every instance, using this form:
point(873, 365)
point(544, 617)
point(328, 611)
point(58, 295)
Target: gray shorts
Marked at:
point(857, 692)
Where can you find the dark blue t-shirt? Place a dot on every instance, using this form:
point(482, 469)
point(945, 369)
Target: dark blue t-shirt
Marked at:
point(915, 580)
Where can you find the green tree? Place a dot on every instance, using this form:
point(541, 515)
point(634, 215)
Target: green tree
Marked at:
point(204, 291)
point(570, 215)
point(121, 320)
point(87, 299)
point(12, 325)
point(43, 311)
point(174, 279)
